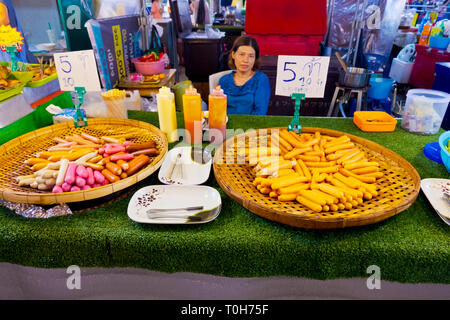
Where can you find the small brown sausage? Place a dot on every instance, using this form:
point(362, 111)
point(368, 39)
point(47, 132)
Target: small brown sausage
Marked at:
point(137, 163)
point(148, 152)
point(111, 177)
point(114, 168)
point(141, 146)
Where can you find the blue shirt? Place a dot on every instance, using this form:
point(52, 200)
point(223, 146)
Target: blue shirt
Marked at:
point(250, 98)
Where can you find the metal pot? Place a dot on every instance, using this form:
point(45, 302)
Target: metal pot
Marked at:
point(355, 77)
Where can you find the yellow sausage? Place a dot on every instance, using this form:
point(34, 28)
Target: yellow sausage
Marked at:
point(305, 169)
point(348, 155)
point(331, 190)
point(355, 193)
point(295, 188)
point(308, 203)
point(273, 194)
point(308, 158)
point(287, 197)
point(310, 195)
point(377, 175)
point(358, 157)
point(361, 178)
point(340, 140)
point(290, 139)
point(331, 169)
point(284, 143)
point(39, 166)
point(33, 161)
point(285, 183)
point(295, 152)
point(320, 164)
point(365, 170)
point(282, 173)
point(338, 147)
point(317, 153)
point(360, 164)
point(349, 182)
point(265, 190)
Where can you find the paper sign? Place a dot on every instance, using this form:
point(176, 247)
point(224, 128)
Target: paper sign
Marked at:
point(302, 74)
point(77, 69)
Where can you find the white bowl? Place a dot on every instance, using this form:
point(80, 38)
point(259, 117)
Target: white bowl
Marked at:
point(46, 46)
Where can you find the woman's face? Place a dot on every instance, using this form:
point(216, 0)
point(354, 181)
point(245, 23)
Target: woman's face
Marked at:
point(244, 58)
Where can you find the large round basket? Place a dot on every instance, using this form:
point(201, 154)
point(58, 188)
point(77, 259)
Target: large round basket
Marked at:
point(15, 152)
point(397, 190)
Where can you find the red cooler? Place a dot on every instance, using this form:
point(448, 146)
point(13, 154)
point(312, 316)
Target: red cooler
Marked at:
point(289, 27)
point(422, 73)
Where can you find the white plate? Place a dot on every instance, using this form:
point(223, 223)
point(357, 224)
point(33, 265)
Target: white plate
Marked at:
point(187, 172)
point(432, 188)
point(168, 197)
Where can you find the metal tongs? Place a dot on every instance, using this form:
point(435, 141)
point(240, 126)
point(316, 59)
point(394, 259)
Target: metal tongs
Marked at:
point(174, 165)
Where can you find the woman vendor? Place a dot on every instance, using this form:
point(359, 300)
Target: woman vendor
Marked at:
point(247, 90)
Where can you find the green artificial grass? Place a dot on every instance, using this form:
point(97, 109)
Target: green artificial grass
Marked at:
point(412, 247)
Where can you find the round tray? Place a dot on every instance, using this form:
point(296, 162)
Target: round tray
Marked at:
point(398, 188)
point(15, 152)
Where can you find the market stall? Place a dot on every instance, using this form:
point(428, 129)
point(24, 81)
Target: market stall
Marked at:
point(409, 247)
point(91, 180)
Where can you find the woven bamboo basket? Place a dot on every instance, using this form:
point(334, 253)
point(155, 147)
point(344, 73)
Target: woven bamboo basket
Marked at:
point(398, 188)
point(15, 152)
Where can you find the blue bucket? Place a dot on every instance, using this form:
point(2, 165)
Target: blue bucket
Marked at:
point(438, 42)
point(380, 88)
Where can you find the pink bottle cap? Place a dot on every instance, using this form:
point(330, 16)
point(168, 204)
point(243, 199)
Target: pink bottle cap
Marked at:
point(191, 91)
point(218, 92)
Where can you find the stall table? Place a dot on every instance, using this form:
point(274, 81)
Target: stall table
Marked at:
point(146, 89)
point(412, 247)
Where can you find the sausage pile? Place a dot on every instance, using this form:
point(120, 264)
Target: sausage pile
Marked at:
point(321, 172)
point(81, 162)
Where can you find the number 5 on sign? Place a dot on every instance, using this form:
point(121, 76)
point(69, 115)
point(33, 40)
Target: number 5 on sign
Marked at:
point(302, 74)
point(77, 69)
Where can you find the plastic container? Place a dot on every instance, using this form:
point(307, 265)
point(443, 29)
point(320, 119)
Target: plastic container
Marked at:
point(179, 89)
point(438, 42)
point(441, 83)
point(166, 113)
point(400, 70)
point(380, 88)
point(422, 74)
point(192, 109)
point(115, 103)
point(288, 27)
point(374, 121)
point(287, 44)
point(445, 155)
point(217, 118)
point(424, 111)
point(307, 17)
point(133, 100)
point(149, 68)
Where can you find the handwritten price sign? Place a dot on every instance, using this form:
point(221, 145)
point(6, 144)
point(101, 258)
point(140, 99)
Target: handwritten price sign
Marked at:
point(77, 69)
point(302, 74)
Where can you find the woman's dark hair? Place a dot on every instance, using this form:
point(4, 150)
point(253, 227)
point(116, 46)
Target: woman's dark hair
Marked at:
point(245, 41)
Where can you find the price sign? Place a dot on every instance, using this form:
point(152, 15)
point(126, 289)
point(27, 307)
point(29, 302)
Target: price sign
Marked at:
point(302, 74)
point(77, 69)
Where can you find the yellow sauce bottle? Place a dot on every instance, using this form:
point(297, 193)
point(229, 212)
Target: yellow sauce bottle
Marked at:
point(165, 101)
point(192, 109)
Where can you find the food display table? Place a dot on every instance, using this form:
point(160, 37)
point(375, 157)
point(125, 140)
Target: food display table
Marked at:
point(410, 247)
point(146, 89)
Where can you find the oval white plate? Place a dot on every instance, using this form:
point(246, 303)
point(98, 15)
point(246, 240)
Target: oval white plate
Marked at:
point(432, 188)
point(187, 172)
point(169, 197)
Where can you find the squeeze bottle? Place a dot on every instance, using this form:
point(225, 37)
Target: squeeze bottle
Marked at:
point(165, 101)
point(192, 109)
point(217, 115)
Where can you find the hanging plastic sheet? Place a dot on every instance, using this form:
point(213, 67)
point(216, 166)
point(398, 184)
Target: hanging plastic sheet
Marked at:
point(379, 21)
